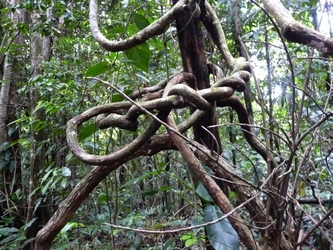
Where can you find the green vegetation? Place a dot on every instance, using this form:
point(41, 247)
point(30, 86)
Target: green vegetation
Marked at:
point(236, 125)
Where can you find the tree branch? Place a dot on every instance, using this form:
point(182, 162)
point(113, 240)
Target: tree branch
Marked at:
point(296, 32)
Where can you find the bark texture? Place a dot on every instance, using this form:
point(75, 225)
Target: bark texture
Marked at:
point(296, 32)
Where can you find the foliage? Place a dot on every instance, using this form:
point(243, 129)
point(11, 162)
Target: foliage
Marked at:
point(157, 192)
point(221, 235)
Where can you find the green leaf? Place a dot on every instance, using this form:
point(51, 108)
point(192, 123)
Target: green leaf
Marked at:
point(186, 236)
point(26, 242)
point(189, 239)
point(11, 131)
point(324, 174)
point(164, 188)
point(116, 97)
point(203, 193)
point(63, 183)
point(40, 105)
point(71, 225)
point(169, 244)
point(113, 3)
point(87, 131)
point(221, 235)
point(196, 222)
point(97, 69)
point(66, 172)
point(140, 178)
point(5, 160)
point(4, 146)
point(46, 176)
point(46, 187)
point(102, 198)
point(10, 238)
point(140, 21)
point(23, 119)
point(116, 30)
point(51, 109)
point(8, 230)
point(155, 190)
point(139, 56)
point(136, 244)
point(29, 223)
point(150, 192)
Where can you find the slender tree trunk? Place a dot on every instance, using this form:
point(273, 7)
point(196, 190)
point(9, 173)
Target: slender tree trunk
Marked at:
point(10, 160)
point(4, 98)
point(40, 52)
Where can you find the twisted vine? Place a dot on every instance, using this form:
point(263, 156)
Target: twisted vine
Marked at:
point(159, 100)
point(176, 94)
point(179, 96)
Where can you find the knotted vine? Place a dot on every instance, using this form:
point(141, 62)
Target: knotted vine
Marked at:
point(179, 91)
point(157, 103)
point(179, 96)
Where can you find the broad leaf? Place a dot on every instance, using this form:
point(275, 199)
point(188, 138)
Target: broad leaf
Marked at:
point(139, 56)
point(87, 131)
point(221, 235)
point(116, 97)
point(203, 193)
point(140, 21)
point(97, 69)
point(196, 222)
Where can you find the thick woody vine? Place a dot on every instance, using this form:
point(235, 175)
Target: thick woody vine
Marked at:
point(173, 94)
point(177, 92)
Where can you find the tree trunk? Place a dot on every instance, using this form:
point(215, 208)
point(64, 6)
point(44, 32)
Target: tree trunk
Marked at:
point(9, 102)
point(4, 98)
point(40, 52)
